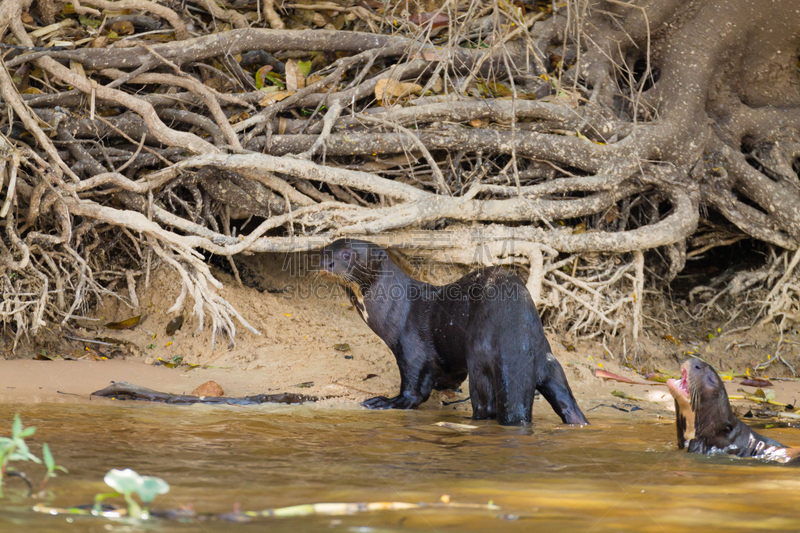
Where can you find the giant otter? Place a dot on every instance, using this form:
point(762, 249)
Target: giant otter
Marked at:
point(484, 325)
point(706, 423)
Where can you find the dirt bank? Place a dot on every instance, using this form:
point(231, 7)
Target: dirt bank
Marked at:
point(313, 342)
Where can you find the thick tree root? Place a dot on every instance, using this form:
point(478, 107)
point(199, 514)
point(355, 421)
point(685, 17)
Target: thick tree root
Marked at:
point(582, 145)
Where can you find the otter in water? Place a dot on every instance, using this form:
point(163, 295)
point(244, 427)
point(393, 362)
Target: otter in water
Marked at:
point(706, 423)
point(484, 325)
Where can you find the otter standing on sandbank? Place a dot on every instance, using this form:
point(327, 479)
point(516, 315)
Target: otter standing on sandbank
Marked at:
point(706, 423)
point(484, 325)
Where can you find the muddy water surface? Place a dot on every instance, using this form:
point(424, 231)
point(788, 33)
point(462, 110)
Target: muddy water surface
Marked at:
point(622, 473)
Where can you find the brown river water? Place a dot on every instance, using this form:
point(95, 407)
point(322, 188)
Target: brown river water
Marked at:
point(623, 473)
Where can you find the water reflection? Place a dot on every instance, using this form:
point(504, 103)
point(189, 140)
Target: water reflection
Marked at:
point(622, 473)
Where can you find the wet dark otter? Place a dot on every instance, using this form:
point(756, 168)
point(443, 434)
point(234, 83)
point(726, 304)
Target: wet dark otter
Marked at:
point(484, 325)
point(706, 423)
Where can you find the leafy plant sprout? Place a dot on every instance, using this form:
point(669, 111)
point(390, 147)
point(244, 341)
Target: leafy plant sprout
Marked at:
point(16, 449)
point(126, 483)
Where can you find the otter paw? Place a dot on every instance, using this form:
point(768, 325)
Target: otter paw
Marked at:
point(398, 402)
point(378, 402)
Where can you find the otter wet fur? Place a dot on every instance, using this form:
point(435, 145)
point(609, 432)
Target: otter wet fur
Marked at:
point(706, 423)
point(484, 325)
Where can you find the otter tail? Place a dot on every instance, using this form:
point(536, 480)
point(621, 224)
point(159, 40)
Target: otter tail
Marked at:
point(555, 389)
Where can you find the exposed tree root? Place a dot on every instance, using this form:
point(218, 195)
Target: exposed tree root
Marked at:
point(584, 145)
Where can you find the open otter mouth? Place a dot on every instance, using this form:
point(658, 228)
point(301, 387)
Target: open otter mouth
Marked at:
point(680, 386)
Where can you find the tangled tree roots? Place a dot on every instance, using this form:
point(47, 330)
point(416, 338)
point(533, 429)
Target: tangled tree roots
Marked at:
point(571, 142)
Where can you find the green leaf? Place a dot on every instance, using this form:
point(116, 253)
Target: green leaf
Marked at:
point(86, 21)
point(16, 428)
point(123, 481)
point(261, 75)
point(305, 67)
point(21, 446)
point(277, 79)
point(152, 487)
point(27, 432)
point(49, 462)
point(17, 456)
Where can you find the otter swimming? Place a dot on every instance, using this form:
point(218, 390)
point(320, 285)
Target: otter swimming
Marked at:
point(484, 325)
point(706, 423)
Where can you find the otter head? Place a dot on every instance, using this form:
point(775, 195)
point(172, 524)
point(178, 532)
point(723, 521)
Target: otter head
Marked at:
point(355, 265)
point(703, 413)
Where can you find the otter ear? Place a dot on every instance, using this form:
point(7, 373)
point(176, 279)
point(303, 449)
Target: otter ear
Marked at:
point(376, 258)
point(711, 378)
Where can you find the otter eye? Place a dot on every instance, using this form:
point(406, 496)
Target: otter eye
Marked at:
point(346, 255)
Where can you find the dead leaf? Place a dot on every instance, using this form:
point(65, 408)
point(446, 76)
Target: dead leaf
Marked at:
point(671, 339)
point(123, 27)
point(625, 396)
point(219, 83)
point(318, 20)
point(261, 76)
point(174, 325)
point(389, 90)
point(125, 324)
point(100, 42)
point(756, 382)
point(26, 18)
point(612, 214)
point(657, 377)
point(209, 389)
point(476, 123)
point(77, 68)
point(239, 117)
point(314, 78)
point(435, 20)
point(275, 97)
point(294, 77)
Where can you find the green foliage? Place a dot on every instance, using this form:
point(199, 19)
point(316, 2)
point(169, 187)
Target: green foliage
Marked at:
point(126, 483)
point(51, 465)
point(305, 68)
point(15, 448)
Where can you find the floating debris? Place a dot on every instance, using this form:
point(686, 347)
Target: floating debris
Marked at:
point(294, 511)
point(122, 390)
point(454, 425)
